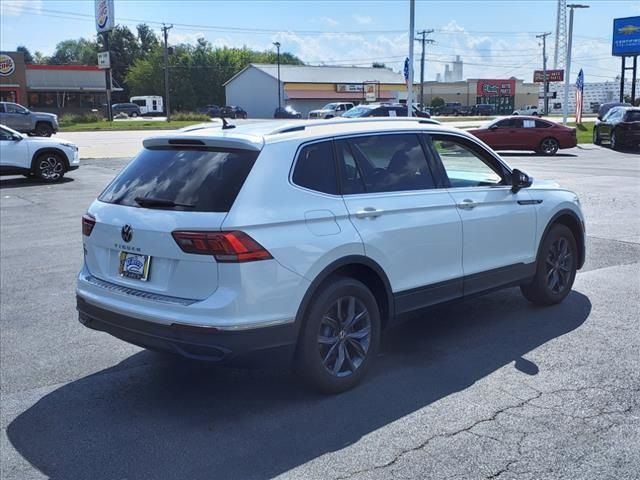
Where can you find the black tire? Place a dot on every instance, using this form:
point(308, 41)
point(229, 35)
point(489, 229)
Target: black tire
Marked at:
point(349, 344)
point(596, 136)
point(613, 141)
point(49, 167)
point(549, 146)
point(43, 129)
point(134, 114)
point(556, 267)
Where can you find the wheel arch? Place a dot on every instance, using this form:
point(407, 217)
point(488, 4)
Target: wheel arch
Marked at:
point(44, 150)
point(362, 269)
point(569, 219)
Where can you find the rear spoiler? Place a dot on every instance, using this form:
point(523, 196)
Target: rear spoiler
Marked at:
point(220, 140)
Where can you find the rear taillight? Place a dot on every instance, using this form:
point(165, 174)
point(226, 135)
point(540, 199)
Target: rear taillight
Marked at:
point(88, 222)
point(229, 247)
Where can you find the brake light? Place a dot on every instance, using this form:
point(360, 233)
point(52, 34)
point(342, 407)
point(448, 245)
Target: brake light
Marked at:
point(226, 247)
point(88, 222)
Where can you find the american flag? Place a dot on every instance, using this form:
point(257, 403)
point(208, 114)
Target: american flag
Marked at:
point(579, 92)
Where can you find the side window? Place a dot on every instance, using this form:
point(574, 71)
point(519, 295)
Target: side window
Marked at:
point(464, 167)
point(507, 123)
point(392, 163)
point(380, 112)
point(351, 178)
point(315, 168)
point(542, 124)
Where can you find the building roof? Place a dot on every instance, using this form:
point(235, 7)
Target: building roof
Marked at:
point(326, 74)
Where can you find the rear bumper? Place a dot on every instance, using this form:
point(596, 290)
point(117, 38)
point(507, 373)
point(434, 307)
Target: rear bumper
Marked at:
point(199, 343)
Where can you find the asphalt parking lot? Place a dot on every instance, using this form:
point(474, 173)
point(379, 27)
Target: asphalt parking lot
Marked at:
point(490, 388)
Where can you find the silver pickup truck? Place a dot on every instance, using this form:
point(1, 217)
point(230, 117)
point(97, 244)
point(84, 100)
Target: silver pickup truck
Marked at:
point(24, 120)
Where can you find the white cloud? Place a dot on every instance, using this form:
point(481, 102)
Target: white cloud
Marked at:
point(362, 19)
point(15, 8)
point(332, 22)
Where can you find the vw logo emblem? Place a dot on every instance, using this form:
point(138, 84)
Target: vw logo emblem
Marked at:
point(127, 233)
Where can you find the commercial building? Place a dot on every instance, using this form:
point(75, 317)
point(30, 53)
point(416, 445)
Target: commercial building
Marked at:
point(51, 88)
point(506, 94)
point(306, 88)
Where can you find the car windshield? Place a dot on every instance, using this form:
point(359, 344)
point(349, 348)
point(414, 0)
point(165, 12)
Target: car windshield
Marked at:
point(357, 112)
point(330, 106)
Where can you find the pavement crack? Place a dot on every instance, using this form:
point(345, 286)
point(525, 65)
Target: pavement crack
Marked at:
point(468, 429)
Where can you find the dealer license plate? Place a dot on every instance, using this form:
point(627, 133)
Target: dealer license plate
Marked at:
point(134, 265)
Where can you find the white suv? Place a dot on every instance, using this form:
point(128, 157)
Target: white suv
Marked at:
point(313, 238)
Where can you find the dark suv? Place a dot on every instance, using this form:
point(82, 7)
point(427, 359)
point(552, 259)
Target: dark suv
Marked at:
point(452, 108)
point(483, 109)
point(620, 127)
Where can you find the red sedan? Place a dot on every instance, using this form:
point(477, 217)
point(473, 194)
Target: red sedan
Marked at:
point(526, 133)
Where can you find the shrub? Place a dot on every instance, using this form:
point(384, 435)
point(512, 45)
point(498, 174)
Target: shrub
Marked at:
point(190, 116)
point(437, 102)
point(85, 117)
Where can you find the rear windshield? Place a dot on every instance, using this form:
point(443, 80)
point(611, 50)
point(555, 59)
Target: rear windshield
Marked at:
point(198, 180)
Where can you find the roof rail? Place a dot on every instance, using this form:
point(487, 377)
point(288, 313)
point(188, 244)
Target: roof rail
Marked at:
point(293, 127)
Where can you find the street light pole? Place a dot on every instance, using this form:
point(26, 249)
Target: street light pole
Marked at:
point(165, 32)
point(277, 44)
point(545, 84)
point(567, 74)
point(412, 15)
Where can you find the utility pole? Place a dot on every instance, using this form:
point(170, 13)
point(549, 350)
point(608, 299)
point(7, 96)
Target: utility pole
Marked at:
point(165, 32)
point(545, 84)
point(567, 73)
point(424, 40)
point(277, 45)
point(412, 16)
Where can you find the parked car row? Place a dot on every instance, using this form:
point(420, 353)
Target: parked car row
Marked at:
point(228, 111)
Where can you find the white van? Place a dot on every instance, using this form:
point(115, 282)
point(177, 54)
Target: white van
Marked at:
point(149, 104)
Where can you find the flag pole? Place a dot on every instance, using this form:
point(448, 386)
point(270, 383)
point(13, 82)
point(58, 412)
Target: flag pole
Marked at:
point(412, 12)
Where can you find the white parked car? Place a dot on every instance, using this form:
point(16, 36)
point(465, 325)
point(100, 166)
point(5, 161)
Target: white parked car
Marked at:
point(47, 159)
point(527, 110)
point(313, 237)
point(331, 110)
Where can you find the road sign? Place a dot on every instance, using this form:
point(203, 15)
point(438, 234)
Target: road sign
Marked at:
point(104, 15)
point(552, 76)
point(104, 61)
point(626, 36)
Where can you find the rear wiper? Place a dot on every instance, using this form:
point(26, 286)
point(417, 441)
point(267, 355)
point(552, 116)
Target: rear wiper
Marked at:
point(159, 202)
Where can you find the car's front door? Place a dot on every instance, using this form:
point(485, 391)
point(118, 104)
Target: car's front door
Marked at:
point(408, 226)
point(14, 152)
point(17, 117)
point(499, 226)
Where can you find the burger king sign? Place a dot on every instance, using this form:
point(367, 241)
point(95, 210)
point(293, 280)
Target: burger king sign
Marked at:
point(104, 15)
point(7, 65)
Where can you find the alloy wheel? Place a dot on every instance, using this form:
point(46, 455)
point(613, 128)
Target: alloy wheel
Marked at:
point(344, 336)
point(559, 264)
point(549, 146)
point(50, 168)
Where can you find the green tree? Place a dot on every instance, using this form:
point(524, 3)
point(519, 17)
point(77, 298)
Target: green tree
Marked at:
point(41, 58)
point(125, 50)
point(147, 40)
point(28, 58)
point(437, 102)
point(79, 52)
point(197, 72)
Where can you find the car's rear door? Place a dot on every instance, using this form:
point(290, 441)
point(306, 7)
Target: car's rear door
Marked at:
point(408, 226)
point(499, 226)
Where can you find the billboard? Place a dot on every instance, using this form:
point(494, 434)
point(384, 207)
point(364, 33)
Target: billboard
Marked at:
point(552, 76)
point(496, 88)
point(104, 15)
point(349, 87)
point(626, 36)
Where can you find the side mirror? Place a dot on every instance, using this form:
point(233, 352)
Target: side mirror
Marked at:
point(519, 180)
point(599, 117)
point(17, 138)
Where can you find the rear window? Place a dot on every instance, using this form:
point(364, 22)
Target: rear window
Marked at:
point(200, 180)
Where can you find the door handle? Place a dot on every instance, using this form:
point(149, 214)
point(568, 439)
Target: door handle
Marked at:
point(467, 204)
point(368, 212)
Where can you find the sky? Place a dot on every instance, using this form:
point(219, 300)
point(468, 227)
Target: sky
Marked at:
point(495, 39)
